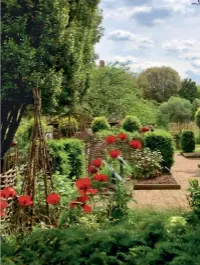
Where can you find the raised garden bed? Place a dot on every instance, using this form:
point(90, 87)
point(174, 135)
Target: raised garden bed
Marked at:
point(163, 182)
point(191, 155)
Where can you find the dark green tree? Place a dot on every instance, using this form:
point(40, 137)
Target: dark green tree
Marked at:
point(188, 90)
point(159, 83)
point(50, 45)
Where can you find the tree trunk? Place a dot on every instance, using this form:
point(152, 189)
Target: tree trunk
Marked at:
point(10, 120)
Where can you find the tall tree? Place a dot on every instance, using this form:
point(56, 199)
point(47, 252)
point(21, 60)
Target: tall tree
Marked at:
point(159, 83)
point(188, 90)
point(45, 44)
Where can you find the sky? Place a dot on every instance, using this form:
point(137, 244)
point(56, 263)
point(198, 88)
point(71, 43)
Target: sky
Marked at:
point(147, 33)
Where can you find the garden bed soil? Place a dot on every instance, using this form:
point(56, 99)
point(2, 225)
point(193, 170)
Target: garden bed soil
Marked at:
point(163, 182)
point(191, 155)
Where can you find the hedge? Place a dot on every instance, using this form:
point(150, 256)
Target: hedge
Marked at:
point(131, 123)
point(162, 141)
point(152, 243)
point(68, 157)
point(99, 124)
point(188, 141)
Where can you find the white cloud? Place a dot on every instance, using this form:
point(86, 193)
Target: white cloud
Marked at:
point(122, 35)
point(196, 64)
point(138, 65)
point(190, 56)
point(179, 45)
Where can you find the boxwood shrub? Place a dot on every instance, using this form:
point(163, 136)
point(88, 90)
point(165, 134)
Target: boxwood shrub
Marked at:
point(188, 141)
point(162, 141)
point(99, 124)
point(68, 157)
point(131, 123)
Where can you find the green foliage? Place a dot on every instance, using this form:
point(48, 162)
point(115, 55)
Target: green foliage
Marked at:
point(195, 105)
point(100, 124)
point(188, 90)
point(159, 83)
point(144, 238)
point(175, 110)
point(68, 157)
point(161, 141)
point(68, 126)
point(197, 118)
point(131, 123)
point(113, 93)
point(188, 141)
point(194, 196)
point(23, 134)
point(147, 163)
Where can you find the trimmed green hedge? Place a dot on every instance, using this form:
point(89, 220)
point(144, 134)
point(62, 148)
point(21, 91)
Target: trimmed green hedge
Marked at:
point(153, 241)
point(188, 141)
point(162, 141)
point(68, 157)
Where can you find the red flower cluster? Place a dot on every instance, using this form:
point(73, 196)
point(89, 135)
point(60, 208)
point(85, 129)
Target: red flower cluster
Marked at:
point(85, 189)
point(144, 129)
point(101, 178)
point(92, 169)
point(8, 192)
point(53, 198)
point(97, 162)
point(114, 153)
point(135, 144)
point(110, 139)
point(25, 200)
point(122, 136)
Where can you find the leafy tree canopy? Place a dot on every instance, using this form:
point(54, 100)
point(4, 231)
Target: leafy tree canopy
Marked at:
point(50, 45)
point(188, 90)
point(114, 93)
point(159, 83)
point(175, 110)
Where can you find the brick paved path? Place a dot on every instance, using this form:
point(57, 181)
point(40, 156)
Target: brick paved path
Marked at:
point(183, 170)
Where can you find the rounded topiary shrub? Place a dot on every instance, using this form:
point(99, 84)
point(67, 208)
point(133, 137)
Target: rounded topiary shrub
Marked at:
point(161, 141)
point(188, 141)
point(131, 124)
point(99, 124)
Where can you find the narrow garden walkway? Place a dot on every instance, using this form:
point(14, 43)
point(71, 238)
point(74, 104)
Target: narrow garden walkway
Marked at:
point(183, 170)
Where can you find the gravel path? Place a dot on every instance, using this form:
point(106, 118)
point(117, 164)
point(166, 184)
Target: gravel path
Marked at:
point(183, 170)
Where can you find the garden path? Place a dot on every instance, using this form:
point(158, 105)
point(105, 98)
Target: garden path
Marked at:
point(183, 170)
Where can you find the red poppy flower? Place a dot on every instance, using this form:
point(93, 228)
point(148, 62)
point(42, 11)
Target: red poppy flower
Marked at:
point(86, 208)
point(97, 162)
point(79, 200)
point(114, 153)
point(73, 204)
point(3, 204)
point(89, 192)
point(53, 198)
point(122, 136)
point(101, 178)
point(83, 184)
point(92, 169)
point(13, 144)
point(8, 192)
point(25, 200)
point(111, 139)
point(144, 129)
point(135, 144)
point(2, 213)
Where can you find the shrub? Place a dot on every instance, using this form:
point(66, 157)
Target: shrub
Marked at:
point(161, 141)
point(99, 124)
point(194, 196)
point(146, 162)
point(68, 157)
point(149, 239)
point(68, 126)
point(197, 118)
point(131, 124)
point(188, 141)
